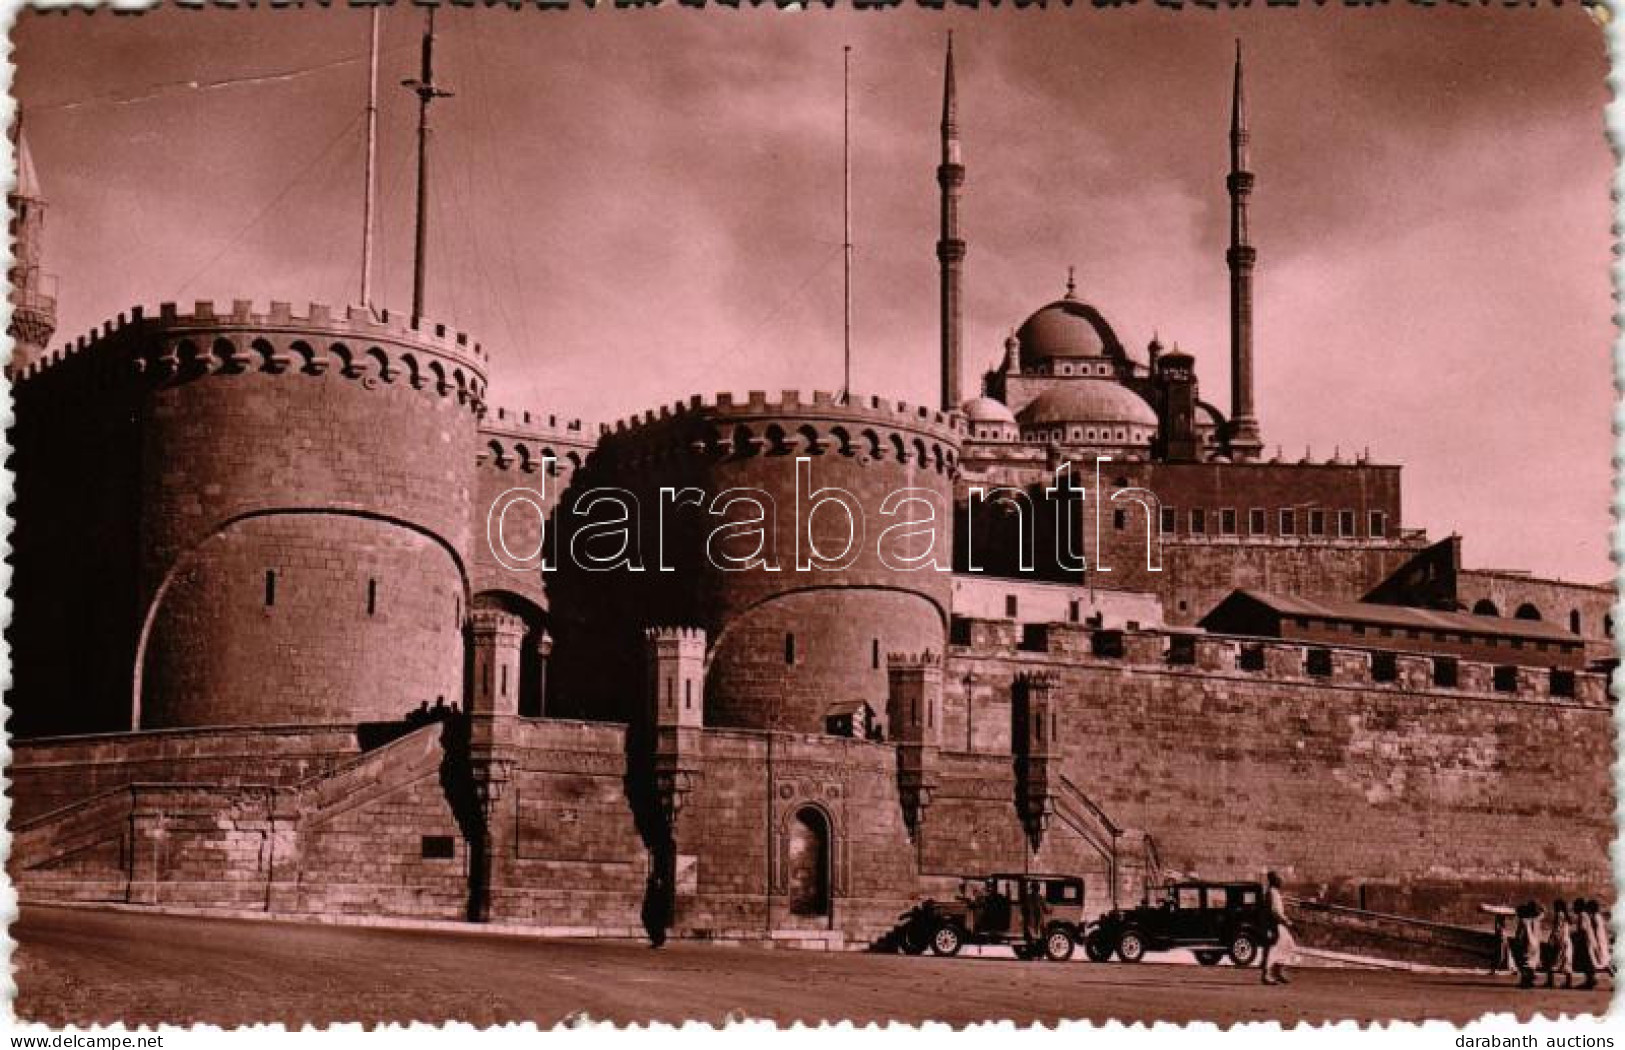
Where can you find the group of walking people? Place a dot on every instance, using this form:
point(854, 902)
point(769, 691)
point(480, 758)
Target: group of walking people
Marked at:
point(1572, 940)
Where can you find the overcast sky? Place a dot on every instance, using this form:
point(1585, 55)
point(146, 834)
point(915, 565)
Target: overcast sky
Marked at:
point(634, 207)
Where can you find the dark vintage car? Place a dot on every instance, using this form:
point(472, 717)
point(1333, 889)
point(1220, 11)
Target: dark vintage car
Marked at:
point(1039, 916)
point(1213, 919)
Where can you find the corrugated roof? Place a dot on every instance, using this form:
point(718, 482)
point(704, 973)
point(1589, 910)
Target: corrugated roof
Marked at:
point(1409, 617)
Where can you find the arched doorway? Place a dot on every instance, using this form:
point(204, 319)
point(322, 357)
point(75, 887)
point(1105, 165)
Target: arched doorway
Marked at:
point(1485, 607)
point(808, 862)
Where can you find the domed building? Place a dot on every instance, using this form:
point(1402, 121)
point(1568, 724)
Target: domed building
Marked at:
point(1068, 383)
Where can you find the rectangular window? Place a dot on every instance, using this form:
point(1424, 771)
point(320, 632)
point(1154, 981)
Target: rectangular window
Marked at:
point(1289, 523)
point(1379, 524)
point(270, 587)
point(874, 654)
point(1384, 667)
point(1198, 522)
point(1170, 520)
point(1506, 679)
point(372, 597)
point(1318, 662)
point(1317, 523)
point(1074, 610)
point(1119, 519)
point(1257, 521)
point(1227, 522)
point(1345, 523)
point(790, 649)
point(1011, 607)
point(439, 847)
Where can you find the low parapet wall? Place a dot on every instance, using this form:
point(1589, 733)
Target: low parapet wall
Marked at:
point(1260, 659)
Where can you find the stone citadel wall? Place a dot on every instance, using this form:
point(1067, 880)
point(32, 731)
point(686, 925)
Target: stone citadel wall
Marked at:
point(1393, 796)
point(1400, 795)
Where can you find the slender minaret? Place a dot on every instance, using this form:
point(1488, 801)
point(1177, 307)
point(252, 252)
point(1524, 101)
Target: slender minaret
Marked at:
point(950, 247)
point(1245, 443)
point(33, 298)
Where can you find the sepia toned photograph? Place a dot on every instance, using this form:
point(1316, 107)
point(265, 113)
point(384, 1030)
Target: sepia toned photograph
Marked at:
point(702, 513)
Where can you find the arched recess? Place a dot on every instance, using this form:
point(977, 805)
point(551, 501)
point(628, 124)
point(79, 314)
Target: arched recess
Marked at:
point(809, 862)
point(532, 651)
point(1527, 611)
point(186, 558)
point(1485, 607)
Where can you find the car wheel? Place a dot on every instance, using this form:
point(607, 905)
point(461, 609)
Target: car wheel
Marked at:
point(913, 940)
point(1243, 948)
point(1097, 948)
point(1210, 957)
point(1130, 948)
point(1058, 945)
point(947, 940)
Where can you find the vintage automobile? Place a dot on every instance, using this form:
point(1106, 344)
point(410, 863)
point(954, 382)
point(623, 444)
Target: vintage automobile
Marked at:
point(1039, 916)
point(1212, 919)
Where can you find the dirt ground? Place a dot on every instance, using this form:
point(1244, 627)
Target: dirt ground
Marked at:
point(78, 966)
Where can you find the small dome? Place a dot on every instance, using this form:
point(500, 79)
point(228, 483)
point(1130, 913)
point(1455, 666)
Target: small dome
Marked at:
point(1088, 401)
point(987, 410)
point(1066, 328)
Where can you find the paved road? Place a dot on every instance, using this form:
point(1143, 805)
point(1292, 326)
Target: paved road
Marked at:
point(80, 966)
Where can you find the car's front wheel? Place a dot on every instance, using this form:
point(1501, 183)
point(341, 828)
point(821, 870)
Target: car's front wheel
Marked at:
point(1058, 945)
point(913, 940)
point(1130, 947)
point(947, 940)
point(1244, 948)
point(1097, 947)
point(1210, 957)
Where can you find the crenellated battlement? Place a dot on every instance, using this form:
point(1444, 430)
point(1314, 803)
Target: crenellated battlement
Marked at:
point(790, 403)
point(1047, 649)
point(906, 661)
point(523, 441)
point(354, 343)
point(680, 635)
point(869, 429)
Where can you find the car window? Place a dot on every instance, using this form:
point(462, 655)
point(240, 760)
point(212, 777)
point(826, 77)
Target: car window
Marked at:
point(1190, 897)
point(1218, 896)
point(1064, 893)
point(1249, 898)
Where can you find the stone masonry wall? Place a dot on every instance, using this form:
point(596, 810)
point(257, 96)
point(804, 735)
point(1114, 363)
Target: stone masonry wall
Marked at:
point(1433, 800)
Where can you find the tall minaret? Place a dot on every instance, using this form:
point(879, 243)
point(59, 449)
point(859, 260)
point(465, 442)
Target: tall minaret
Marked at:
point(950, 247)
point(33, 298)
point(1245, 443)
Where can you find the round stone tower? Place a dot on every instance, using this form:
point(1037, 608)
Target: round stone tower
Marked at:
point(304, 514)
point(808, 539)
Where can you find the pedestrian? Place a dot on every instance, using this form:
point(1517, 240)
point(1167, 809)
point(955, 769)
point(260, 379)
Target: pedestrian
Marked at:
point(1526, 943)
point(1602, 952)
point(1584, 963)
point(1503, 959)
point(1279, 946)
point(1561, 947)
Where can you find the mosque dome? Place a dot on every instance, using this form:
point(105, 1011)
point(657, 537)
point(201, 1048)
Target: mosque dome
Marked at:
point(1099, 402)
point(1066, 328)
point(987, 410)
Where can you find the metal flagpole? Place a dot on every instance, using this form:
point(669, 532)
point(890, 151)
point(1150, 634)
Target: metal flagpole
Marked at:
point(372, 162)
point(846, 208)
point(427, 91)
